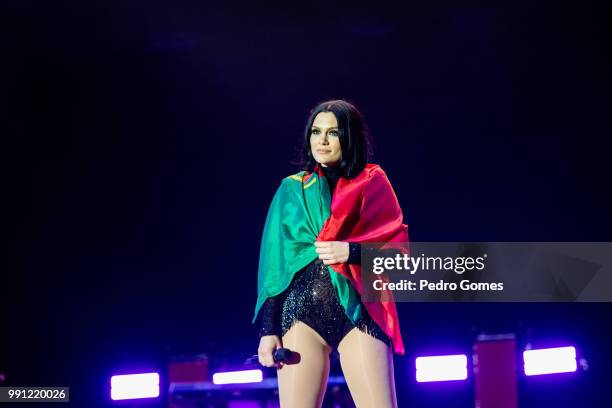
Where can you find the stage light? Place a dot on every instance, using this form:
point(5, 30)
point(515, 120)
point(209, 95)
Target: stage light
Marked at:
point(441, 368)
point(238, 377)
point(133, 386)
point(550, 360)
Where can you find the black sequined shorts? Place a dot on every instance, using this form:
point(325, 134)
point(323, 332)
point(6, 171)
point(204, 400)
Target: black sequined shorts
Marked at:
point(312, 299)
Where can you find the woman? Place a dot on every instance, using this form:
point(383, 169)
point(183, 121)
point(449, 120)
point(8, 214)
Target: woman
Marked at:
point(309, 267)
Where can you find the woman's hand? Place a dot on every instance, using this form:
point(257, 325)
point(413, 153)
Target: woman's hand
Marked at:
point(267, 346)
point(332, 252)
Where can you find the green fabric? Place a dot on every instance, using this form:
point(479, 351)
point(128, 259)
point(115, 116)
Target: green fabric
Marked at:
point(295, 217)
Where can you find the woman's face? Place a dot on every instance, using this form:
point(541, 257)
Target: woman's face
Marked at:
point(325, 139)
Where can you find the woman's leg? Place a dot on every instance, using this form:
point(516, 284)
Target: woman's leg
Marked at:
point(302, 385)
point(367, 364)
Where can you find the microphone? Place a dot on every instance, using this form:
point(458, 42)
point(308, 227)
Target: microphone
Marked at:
point(281, 355)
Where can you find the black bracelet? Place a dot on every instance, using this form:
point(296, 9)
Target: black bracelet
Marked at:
point(354, 253)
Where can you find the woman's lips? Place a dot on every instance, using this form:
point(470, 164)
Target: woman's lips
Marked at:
point(323, 151)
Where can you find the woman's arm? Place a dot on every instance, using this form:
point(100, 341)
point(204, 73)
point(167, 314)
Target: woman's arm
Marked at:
point(355, 252)
point(268, 321)
point(269, 330)
point(336, 251)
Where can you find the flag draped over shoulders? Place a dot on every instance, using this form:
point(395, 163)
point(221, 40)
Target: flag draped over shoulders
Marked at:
point(363, 209)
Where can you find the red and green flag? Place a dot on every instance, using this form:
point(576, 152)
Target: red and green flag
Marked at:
point(363, 209)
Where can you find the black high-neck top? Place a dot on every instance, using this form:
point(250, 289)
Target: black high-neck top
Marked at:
point(332, 174)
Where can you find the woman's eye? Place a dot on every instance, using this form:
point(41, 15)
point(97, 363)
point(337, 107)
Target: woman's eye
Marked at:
point(333, 133)
point(315, 131)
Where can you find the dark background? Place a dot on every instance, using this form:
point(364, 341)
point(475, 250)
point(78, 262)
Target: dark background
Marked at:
point(143, 143)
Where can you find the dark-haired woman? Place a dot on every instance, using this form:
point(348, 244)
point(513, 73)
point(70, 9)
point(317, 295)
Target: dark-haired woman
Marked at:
point(309, 278)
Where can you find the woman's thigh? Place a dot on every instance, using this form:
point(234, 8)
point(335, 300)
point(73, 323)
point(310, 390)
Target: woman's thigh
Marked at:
point(367, 364)
point(302, 385)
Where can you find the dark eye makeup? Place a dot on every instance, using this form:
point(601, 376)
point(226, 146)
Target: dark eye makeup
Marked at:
point(331, 132)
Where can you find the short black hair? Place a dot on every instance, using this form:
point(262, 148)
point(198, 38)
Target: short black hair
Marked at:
point(354, 138)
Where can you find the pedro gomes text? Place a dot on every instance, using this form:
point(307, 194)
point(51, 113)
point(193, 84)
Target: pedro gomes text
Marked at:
point(459, 265)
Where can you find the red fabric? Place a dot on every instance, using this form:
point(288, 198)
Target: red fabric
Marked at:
point(365, 209)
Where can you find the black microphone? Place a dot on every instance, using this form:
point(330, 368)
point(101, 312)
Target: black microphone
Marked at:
point(281, 355)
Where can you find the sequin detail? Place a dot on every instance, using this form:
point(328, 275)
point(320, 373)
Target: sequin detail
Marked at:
point(312, 299)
